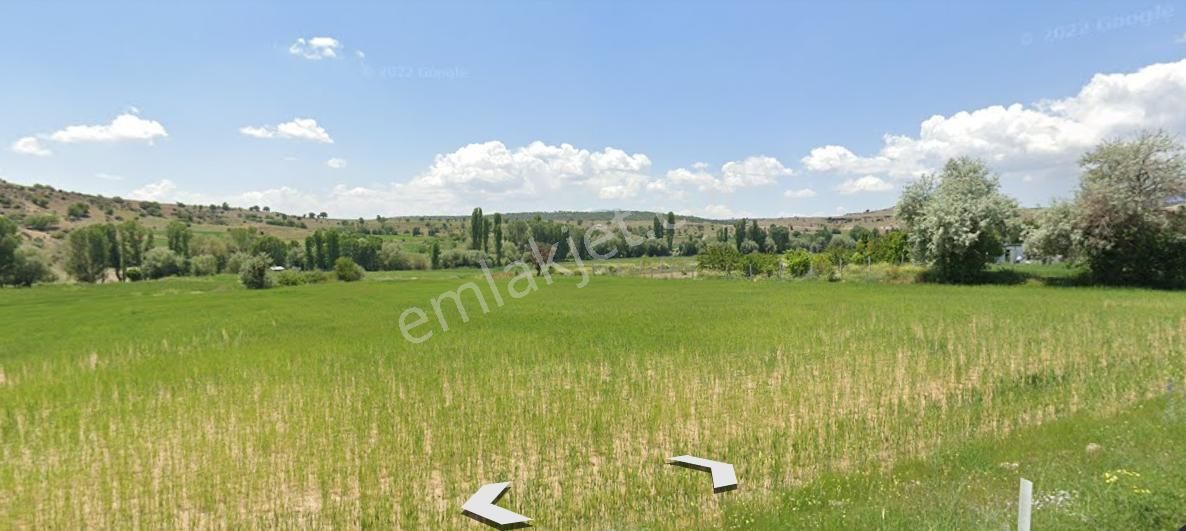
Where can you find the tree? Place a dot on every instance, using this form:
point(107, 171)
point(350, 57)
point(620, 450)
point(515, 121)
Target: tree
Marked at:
point(1053, 236)
point(498, 239)
point(161, 263)
point(9, 241)
point(657, 228)
point(757, 234)
point(670, 230)
point(178, 235)
point(29, 267)
point(486, 225)
point(435, 254)
point(957, 219)
point(346, 270)
point(1128, 234)
point(475, 229)
point(134, 240)
point(781, 236)
point(87, 253)
point(739, 233)
point(275, 249)
point(253, 272)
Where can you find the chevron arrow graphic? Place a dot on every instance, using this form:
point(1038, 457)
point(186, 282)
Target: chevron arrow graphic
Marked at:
point(481, 507)
point(723, 476)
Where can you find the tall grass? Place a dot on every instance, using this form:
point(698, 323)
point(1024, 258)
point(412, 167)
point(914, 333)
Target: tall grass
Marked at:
point(196, 404)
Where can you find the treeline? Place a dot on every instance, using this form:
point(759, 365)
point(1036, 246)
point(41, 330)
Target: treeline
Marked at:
point(788, 251)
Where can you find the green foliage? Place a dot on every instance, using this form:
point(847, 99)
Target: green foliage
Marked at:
point(151, 208)
point(435, 255)
point(957, 219)
point(134, 240)
point(88, 253)
point(253, 272)
point(823, 266)
point(346, 270)
point(203, 265)
point(235, 262)
point(272, 247)
point(161, 262)
point(29, 267)
point(719, 257)
point(134, 274)
point(41, 222)
point(462, 258)
point(9, 241)
point(290, 277)
point(178, 235)
point(78, 211)
point(1124, 228)
point(798, 262)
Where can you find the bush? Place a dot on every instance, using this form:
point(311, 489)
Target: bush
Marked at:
point(314, 276)
point(822, 265)
point(205, 265)
point(235, 262)
point(253, 272)
point(392, 258)
point(798, 262)
point(346, 270)
point(134, 274)
point(458, 258)
point(749, 247)
point(160, 263)
point(41, 222)
point(29, 267)
point(290, 278)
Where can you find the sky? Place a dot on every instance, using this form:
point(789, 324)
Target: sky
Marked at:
point(717, 109)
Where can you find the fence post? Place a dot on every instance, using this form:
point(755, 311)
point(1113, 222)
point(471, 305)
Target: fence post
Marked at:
point(1024, 502)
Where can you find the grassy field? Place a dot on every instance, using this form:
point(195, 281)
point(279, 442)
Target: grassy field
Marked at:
point(193, 403)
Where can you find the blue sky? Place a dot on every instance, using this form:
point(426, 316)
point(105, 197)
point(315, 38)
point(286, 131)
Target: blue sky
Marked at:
point(718, 109)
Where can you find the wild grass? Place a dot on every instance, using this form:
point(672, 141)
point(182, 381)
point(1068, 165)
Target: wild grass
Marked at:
point(192, 403)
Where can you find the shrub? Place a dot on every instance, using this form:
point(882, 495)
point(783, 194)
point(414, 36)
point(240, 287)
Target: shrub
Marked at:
point(160, 263)
point(41, 222)
point(458, 258)
point(78, 211)
point(235, 262)
point(204, 265)
point(798, 262)
point(822, 265)
point(134, 274)
point(253, 272)
point(290, 278)
point(392, 258)
point(29, 267)
point(314, 276)
point(749, 246)
point(346, 270)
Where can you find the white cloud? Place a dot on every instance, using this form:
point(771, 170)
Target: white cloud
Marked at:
point(31, 145)
point(1045, 138)
point(298, 128)
point(336, 163)
point(799, 194)
point(316, 48)
point(126, 126)
point(109, 177)
point(163, 190)
point(1181, 39)
point(714, 212)
point(868, 183)
point(748, 173)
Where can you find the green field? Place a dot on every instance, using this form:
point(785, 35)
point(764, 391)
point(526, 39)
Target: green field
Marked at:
point(194, 403)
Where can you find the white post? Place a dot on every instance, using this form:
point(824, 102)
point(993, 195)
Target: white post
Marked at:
point(1024, 501)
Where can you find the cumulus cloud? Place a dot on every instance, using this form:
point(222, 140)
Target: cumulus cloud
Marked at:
point(316, 48)
point(298, 128)
point(804, 193)
point(868, 183)
point(31, 145)
point(336, 163)
point(163, 190)
point(751, 172)
point(127, 126)
point(1045, 138)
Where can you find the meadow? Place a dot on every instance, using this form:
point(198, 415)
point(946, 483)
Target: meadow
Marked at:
point(194, 403)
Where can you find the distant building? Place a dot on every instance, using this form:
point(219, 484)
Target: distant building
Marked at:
point(277, 268)
point(1013, 254)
